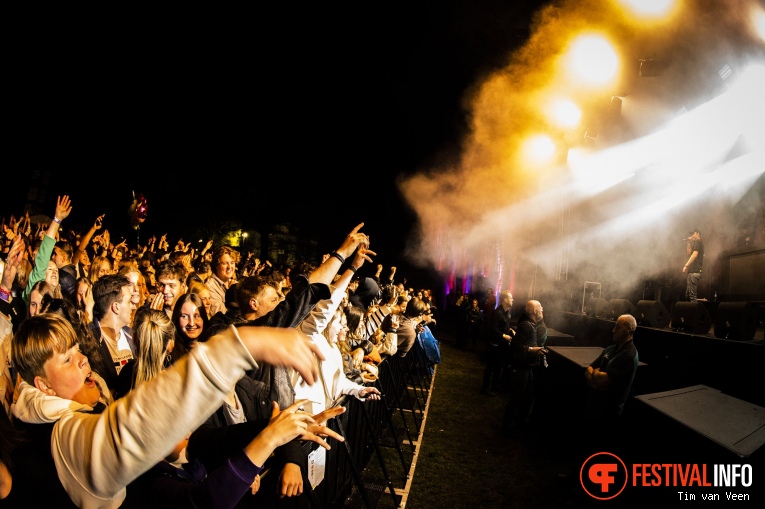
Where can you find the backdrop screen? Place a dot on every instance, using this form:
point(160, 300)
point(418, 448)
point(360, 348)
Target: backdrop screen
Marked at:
point(746, 275)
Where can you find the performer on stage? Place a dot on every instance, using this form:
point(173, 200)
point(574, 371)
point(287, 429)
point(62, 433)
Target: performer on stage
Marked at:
point(692, 268)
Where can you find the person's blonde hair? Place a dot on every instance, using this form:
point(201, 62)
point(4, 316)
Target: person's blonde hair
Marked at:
point(336, 316)
point(153, 331)
point(96, 265)
point(37, 339)
point(197, 287)
point(45, 288)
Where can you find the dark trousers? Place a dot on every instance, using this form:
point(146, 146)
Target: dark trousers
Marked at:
point(474, 331)
point(496, 360)
point(518, 410)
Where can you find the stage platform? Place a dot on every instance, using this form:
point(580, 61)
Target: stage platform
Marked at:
point(695, 397)
point(675, 359)
point(734, 424)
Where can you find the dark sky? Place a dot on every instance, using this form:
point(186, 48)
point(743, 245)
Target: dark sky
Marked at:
point(282, 114)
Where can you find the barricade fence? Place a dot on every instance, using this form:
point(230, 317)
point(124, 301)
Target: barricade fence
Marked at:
point(380, 447)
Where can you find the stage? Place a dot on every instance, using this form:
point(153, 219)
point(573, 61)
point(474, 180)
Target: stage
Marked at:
point(673, 364)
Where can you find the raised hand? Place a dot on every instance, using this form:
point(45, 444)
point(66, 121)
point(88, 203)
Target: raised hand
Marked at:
point(16, 252)
point(363, 253)
point(12, 261)
point(157, 302)
point(63, 207)
point(352, 241)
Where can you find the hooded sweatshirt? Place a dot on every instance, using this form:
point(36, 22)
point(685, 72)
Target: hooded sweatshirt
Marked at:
point(98, 455)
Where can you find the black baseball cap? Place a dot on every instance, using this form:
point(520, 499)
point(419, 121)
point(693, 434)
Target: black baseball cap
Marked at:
point(694, 230)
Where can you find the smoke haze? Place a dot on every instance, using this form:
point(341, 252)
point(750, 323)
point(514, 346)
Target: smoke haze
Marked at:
point(685, 151)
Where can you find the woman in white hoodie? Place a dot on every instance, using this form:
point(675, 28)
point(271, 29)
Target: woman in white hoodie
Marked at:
point(324, 326)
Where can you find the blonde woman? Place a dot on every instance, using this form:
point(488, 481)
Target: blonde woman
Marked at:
point(100, 266)
point(204, 294)
point(326, 326)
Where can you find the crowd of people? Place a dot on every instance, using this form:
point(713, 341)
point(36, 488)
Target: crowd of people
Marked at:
point(159, 376)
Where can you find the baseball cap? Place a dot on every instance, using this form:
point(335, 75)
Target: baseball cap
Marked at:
point(694, 230)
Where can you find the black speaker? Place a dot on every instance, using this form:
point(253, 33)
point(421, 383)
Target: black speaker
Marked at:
point(597, 307)
point(651, 313)
point(619, 307)
point(735, 320)
point(691, 317)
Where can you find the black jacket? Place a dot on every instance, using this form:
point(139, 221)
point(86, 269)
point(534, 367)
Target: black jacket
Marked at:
point(215, 440)
point(107, 370)
point(525, 338)
point(67, 278)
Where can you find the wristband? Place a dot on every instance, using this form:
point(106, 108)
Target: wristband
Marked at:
point(335, 254)
point(6, 296)
point(57, 219)
point(352, 268)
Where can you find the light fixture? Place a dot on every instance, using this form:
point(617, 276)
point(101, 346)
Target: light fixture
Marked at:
point(649, 68)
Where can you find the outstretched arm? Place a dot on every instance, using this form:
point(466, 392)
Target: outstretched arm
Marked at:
point(325, 273)
point(187, 393)
point(63, 209)
point(85, 240)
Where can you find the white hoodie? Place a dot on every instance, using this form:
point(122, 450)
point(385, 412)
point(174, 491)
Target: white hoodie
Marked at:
point(98, 455)
point(36, 407)
point(334, 383)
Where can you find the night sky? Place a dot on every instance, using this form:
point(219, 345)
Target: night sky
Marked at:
point(283, 114)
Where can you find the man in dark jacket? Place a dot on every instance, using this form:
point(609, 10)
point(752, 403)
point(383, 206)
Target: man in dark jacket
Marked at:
point(526, 354)
point(500, 334)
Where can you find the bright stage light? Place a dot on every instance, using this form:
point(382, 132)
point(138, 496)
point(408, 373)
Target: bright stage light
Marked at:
point(564, 113)
point(650, 8)
point(759, 23)
point(592, 60)
point(538, 150)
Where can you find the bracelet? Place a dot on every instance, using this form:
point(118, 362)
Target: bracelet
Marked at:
point(335, 254)
point(352, 268)
point(57, 219)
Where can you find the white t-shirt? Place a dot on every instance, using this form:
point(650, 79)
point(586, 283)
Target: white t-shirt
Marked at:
point(119, 350)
